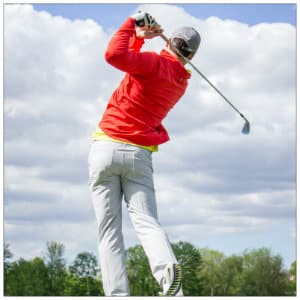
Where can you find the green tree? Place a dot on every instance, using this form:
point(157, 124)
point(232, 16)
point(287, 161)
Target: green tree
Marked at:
point(263, 274)
point(141, 281)
point(190, 259)
point(85, 264)
point(293, 279)
point(56, 268)
point(212, 261)
point(7, 256)
point(77, 286)
point(205, 272)
point(83, 271)
point(230, 275)
point(27, 278)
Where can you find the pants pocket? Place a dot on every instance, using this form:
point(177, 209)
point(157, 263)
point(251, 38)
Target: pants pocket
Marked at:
point(99, 161)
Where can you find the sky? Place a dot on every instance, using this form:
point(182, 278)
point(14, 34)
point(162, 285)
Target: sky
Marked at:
point(112, 14)
point(215, 187)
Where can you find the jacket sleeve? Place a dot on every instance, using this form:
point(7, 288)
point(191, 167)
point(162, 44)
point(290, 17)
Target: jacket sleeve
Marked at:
point(123, 51)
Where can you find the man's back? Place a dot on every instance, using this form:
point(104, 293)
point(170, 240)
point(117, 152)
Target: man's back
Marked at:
point(152, 86)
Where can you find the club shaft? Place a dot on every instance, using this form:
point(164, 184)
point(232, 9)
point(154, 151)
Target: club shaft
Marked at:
point(204, 77)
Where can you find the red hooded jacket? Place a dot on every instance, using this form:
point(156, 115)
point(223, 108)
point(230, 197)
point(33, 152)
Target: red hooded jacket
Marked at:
point(151, 87)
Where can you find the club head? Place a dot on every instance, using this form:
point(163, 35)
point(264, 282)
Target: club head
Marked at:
point(246, 128)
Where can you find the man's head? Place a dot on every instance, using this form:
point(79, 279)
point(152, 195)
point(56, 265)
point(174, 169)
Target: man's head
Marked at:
point(186, 40)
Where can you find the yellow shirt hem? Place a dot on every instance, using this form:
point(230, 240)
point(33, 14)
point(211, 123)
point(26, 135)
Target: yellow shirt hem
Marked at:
point(100, 135)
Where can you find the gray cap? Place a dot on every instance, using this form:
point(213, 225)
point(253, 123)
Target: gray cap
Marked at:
point(189, 35)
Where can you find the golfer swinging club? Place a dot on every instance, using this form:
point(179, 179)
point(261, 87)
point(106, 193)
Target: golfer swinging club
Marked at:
point(120, 159)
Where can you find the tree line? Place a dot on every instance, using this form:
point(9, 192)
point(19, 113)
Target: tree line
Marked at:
point(206, 272)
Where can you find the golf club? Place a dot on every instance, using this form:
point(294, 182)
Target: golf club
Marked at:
point(246, 127)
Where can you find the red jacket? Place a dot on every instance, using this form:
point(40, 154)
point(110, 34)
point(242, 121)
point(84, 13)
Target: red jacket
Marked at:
point(151, 87)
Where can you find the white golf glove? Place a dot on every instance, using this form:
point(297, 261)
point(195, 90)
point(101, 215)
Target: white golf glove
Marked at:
point(143, 19)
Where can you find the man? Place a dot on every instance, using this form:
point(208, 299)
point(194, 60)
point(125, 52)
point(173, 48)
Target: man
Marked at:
point(120, 159)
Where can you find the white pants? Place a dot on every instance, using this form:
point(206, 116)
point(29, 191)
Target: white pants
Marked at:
point(117, 170)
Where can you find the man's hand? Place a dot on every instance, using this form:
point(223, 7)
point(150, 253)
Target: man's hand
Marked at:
point(145, 33)
point(146, 26)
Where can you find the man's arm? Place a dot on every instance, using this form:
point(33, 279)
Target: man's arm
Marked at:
point(123, 49)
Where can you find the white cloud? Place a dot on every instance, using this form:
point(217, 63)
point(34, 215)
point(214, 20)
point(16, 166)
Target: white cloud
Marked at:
point(217, 182)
